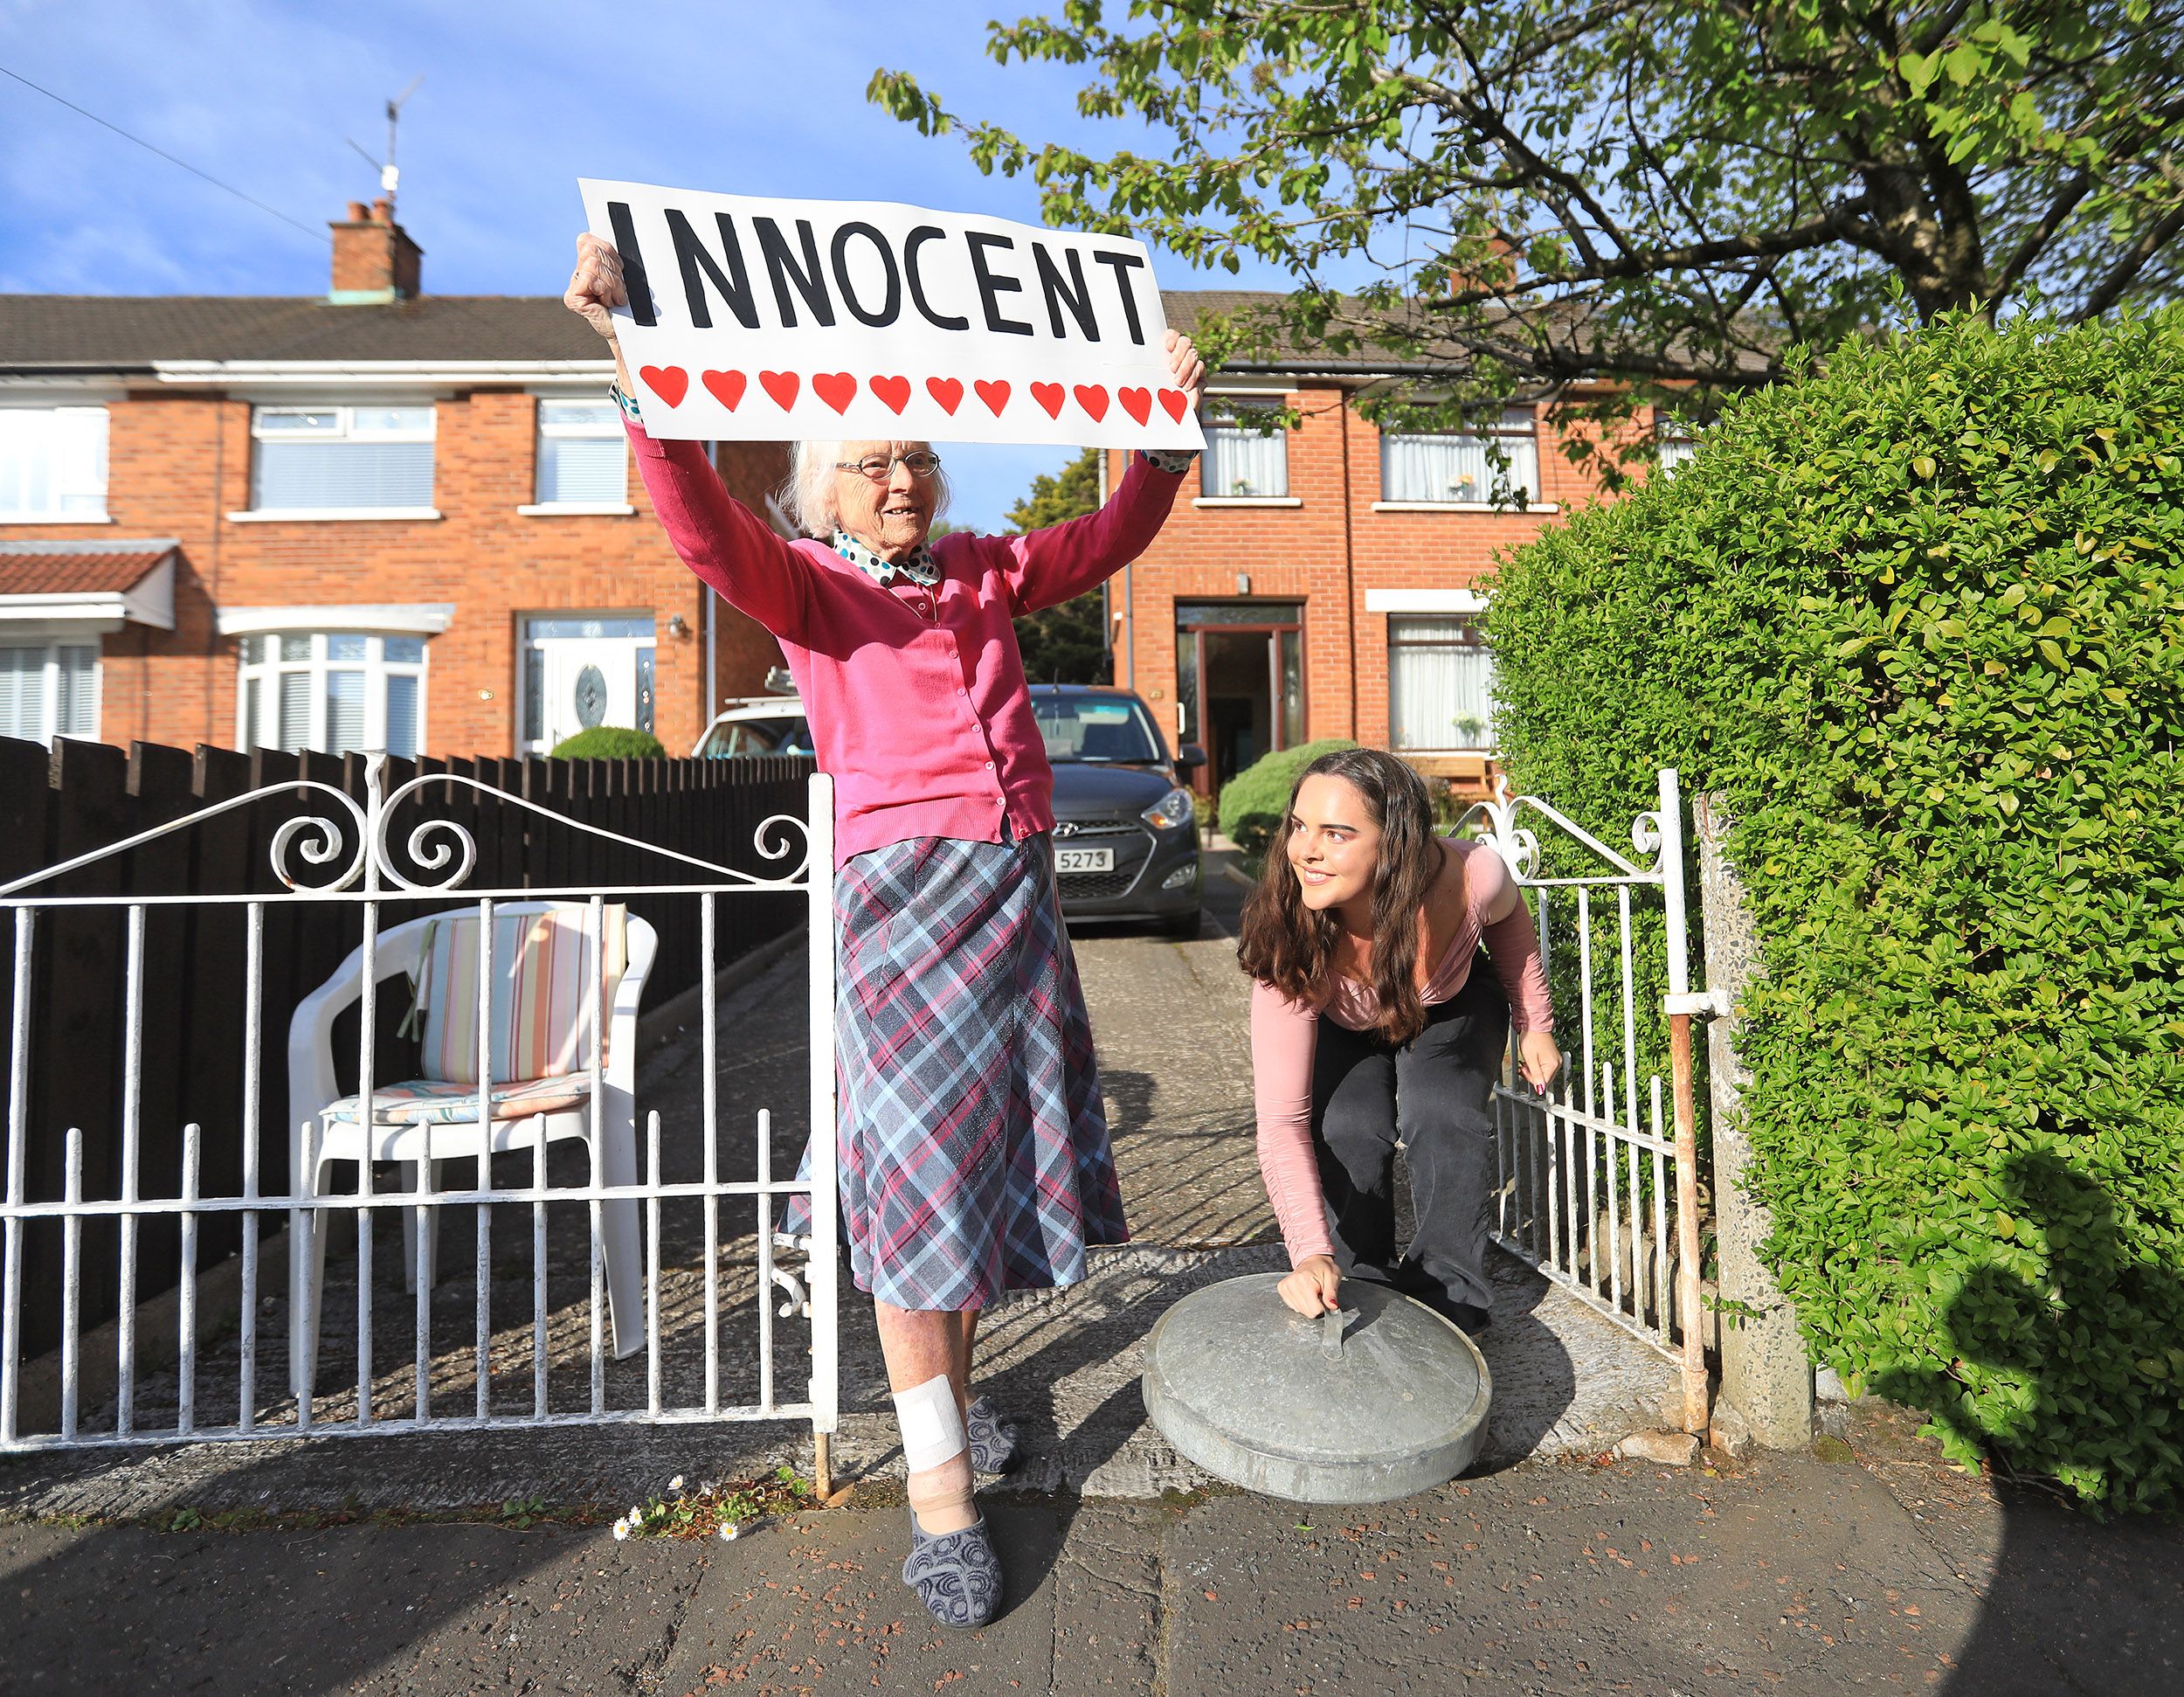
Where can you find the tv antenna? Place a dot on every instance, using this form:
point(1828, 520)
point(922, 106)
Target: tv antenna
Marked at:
point(389, 174)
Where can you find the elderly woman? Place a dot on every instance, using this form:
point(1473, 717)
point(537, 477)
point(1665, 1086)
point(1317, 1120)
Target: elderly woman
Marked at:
point(972, 1139)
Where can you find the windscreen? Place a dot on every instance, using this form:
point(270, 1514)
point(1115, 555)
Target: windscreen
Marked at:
point(1096, 728)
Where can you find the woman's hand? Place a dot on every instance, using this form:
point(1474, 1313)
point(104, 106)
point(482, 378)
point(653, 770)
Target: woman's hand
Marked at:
point(1538, 1059)
point(1185, 366)
point(1312, 1289)
point(596, 286)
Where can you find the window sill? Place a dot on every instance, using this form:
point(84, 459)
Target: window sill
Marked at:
point(55, 518)
point(1464, 507)
point(330, 515)
point(577, 509)
point(1247, 501)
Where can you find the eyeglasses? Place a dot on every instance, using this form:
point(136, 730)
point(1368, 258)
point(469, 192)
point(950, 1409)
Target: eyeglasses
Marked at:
point(877, 466)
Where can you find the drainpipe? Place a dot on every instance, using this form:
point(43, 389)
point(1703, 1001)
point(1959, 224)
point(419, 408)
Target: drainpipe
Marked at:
point(707, 596)
point(1349, 566)
point(1129, 602)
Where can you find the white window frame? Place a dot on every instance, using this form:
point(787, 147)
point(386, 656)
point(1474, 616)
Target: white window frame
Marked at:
point(1519, 428)
point(1221, 418)
point(376, 668)
point(344, 430)
point(52, 640)
point(94, 487)
point(1489, 740)
point(1676, 442)
point(543, 430)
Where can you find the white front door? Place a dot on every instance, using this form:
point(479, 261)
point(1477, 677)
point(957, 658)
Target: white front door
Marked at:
point(584, 671)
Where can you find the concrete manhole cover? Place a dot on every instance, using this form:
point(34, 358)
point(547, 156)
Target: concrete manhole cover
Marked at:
point(1277, 1403)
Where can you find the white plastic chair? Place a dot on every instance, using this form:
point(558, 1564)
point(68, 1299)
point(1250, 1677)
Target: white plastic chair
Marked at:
point(313, 1090)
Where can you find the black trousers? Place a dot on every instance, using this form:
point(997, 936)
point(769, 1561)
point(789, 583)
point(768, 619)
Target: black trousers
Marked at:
point(1432, 1093)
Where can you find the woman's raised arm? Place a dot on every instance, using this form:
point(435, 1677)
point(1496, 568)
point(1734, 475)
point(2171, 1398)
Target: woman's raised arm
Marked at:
point(727, 545)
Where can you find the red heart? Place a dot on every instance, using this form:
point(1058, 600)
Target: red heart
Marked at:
point(895, 391)
point(995, 394)
point(837, 389)
point(1176, 402)
point(1048, 395)
point(1136, 402)
point(670, 383)
point(727, 387)
point(1092, 398)
point(782, 385)
point(948, 392)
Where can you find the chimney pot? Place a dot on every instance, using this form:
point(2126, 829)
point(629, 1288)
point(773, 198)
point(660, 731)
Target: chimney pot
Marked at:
point(383, 211)
point(356, 214)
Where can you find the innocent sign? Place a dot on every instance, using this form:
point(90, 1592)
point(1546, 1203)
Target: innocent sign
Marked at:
point(771, 320)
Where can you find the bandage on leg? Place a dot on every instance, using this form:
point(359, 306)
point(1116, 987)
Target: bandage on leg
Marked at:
point(938, 1454)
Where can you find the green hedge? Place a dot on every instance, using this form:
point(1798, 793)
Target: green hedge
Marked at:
point(1919, 617)
point(610, 742)
point(1252, 801)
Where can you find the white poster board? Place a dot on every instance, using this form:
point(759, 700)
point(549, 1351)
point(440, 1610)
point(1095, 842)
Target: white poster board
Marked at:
point(763, 320)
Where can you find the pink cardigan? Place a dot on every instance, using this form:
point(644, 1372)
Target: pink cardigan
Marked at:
point(1284, 1035)
point(917, 698)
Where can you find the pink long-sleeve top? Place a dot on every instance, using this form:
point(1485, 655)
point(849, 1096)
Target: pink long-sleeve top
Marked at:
point(916, 696)
point(1285, 1034)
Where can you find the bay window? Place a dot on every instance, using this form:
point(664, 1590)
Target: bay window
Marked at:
point(334, 691)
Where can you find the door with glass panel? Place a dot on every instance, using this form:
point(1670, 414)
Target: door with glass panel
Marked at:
point(585, 670)
point(334, 691)
point(1240, 682)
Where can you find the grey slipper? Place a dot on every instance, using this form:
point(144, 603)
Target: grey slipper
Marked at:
point(956, 1575)
point(993, 1445)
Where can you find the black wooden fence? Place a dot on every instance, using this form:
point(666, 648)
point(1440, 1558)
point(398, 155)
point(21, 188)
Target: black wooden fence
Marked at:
point(79, 797)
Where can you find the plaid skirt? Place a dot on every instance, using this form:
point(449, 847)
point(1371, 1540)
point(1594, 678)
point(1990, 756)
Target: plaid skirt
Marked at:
point(972, 1145)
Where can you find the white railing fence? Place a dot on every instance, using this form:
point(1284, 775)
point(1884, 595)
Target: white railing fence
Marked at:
point(550, 1198)
point(1598, 1191)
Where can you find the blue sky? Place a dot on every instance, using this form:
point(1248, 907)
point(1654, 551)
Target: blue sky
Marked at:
point(519, 98)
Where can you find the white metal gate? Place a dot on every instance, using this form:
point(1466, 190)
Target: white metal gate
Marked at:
point(375, 863)
point(1595, 1189)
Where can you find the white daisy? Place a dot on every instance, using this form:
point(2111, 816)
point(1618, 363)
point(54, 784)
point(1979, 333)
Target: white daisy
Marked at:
point(675, 1484)
point(621, 1532)
point(728, 1534)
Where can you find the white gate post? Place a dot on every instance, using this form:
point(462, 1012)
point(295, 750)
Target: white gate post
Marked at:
point(825, 1262)
point(1679, 1011)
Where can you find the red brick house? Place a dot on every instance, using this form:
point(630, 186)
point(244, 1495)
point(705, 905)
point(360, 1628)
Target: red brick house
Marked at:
point(377, 518)
point(1327, 581)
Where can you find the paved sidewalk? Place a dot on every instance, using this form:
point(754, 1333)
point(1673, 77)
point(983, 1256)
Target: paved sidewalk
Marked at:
point(1887, 1572)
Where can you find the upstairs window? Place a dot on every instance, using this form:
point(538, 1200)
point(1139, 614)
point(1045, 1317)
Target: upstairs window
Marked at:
point(583, 454)
point(1460, 470)
point(340, 459)
point(1240, 463)
point(53, 463)
point(49, 689)
point(334, 691)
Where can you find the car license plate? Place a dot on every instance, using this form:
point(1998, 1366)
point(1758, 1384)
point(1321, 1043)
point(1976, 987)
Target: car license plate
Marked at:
point(1084, 860)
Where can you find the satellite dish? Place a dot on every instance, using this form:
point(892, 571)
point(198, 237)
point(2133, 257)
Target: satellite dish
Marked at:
point(1383, 1400)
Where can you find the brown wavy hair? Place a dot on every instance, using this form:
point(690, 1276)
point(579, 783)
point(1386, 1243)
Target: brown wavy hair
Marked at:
point(1290, 947)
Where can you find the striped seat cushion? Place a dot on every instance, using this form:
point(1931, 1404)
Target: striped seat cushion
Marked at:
point(543, 971)
point(416, 1101)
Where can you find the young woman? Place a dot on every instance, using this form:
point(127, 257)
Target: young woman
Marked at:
point(1370, 1025)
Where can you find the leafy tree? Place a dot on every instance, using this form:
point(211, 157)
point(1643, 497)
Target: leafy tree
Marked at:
point(1658, 195)
point(1065, 644)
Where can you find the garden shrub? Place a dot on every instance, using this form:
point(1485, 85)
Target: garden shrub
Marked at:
point(610, 742)
point(1918, 617)
point(1252, 801)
